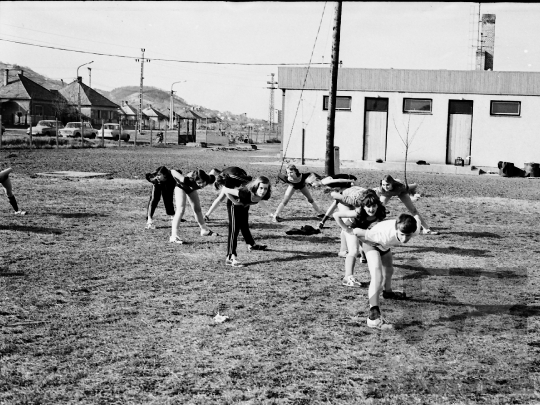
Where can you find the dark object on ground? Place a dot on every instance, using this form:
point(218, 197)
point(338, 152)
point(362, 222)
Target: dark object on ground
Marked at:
point(422, 162)
point(379, 161)
point(304, 230)
point(507, 169)
point(532, 169)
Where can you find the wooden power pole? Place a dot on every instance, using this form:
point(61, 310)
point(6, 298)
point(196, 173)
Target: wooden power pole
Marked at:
point(329, 161)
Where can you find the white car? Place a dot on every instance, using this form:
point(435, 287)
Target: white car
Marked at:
point(112, 131)
point(45, 127)
point(74, 129)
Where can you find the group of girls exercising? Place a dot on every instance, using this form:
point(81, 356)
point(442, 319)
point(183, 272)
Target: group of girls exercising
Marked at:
point(360, 213)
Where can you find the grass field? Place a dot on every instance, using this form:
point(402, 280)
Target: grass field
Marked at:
point(95, 309)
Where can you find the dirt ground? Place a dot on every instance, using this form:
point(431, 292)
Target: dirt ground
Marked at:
point(96, 309)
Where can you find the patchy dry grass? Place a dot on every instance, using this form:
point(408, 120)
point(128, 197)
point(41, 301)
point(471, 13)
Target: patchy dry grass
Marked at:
point(95, 309)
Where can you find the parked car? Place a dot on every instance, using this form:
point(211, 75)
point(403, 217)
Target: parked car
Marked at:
point(45, 127)
point(74, 129)
point(112, 131)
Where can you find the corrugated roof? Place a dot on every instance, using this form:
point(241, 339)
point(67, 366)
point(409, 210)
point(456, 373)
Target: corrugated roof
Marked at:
point(413, 81)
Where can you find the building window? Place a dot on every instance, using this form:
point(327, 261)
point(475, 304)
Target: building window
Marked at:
point(377, 104)
point(506, 108)
point(417, 105)
point(342, 103)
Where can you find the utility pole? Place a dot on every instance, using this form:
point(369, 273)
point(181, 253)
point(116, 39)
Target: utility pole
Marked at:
point(139, 114)
point(271, 115)
point(329, 161)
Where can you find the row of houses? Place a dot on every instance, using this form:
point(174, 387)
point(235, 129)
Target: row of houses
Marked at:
point(24, 101)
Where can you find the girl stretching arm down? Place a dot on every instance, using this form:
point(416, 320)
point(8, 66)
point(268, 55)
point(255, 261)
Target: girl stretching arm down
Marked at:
point(238, 203)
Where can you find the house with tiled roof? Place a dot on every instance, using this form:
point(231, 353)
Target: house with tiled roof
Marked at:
point(128, 115)
point(22, 100)
point(156, 119)
point(94, 107)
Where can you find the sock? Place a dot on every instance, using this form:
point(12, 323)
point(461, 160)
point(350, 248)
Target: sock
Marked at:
point(374, 313)
point(13, 203)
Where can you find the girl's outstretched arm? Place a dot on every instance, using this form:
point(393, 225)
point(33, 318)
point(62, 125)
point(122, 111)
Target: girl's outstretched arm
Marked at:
point(406, 199)
point(177, 175)
point(216, 202)
point(344, 214)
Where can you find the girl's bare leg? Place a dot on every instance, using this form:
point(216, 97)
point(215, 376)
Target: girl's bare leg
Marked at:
point(180, 200)
point(288, 194)
point(195, 203)
point(310, 199)
point(376, 272)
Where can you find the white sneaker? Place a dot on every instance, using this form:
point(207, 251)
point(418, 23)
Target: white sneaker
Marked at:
point(208, 232)
point(380, 323)
point(343, 253)
point(351, 281)
point(176, 239)
point(150, 225)
point(20, 213)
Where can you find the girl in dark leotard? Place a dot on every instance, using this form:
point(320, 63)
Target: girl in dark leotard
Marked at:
point(236, 177)
point(296, 181)
point(186, 189)
point(163, 185)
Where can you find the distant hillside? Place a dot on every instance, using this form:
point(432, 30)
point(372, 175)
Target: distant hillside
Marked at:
point(158, 98)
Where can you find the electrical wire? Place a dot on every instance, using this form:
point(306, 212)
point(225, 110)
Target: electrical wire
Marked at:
point(160, 59)
point(302, 91)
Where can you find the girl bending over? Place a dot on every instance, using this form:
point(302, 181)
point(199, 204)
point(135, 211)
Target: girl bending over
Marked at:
point(296, 181)
point(238, 203)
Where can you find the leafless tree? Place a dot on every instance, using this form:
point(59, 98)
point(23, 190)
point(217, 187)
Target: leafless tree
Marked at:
point(407, 140)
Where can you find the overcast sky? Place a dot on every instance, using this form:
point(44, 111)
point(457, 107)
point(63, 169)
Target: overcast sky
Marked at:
point(373, 35)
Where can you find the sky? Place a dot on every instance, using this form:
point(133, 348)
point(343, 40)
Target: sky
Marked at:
point(175, 35)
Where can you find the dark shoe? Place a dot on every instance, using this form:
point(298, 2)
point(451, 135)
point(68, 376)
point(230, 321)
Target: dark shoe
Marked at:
point(394, 295)
point(257, 247)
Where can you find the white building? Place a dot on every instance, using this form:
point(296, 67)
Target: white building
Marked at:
point(488, 115)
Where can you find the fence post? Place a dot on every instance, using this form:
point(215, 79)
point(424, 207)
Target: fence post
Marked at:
point(303, 145)
point(120, 134)
point(151, 128)
point(30, 131)
point(0, 131)
point(336, 160)
point(103, 132)
point(56, 124)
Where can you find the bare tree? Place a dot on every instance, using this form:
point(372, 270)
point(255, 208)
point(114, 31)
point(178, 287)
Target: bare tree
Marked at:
point(407, 140)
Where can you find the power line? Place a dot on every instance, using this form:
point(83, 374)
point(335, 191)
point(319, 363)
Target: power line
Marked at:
point(160, 59)
point(302, 90)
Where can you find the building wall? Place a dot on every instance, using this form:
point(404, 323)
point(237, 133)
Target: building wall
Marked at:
point(494, 138)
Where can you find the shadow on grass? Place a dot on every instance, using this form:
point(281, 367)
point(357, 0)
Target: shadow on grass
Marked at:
point(303, 238)
point(34, 229)
point(451, 250)
point(475, 234)
point(79, 214)
point(297, 257)
point(12, 274)
point(422, 272)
